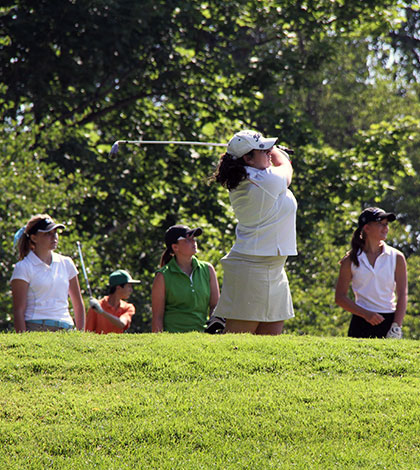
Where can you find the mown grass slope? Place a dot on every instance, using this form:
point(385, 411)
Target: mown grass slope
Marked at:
point(195, 401)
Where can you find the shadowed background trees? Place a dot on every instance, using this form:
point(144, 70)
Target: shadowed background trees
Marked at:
point(334, 80)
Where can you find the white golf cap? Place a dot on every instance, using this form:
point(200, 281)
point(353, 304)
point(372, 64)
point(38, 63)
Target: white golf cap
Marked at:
point(245, 141)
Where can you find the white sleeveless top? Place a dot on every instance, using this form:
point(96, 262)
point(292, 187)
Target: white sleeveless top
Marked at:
point(374, 286)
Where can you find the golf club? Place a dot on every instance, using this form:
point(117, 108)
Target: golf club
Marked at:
point(114, 148)
point(92, 301)
point(79, 247)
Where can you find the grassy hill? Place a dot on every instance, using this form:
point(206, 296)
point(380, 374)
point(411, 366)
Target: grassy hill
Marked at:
point(195, 401)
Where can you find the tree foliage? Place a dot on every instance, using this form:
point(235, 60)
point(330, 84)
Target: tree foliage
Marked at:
point(77, 76)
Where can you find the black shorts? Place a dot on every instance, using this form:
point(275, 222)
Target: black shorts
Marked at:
point(360, 328)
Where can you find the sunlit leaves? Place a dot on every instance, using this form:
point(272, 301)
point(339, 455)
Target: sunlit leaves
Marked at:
point(80, 75)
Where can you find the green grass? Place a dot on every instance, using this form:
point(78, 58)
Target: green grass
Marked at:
point(195, 401)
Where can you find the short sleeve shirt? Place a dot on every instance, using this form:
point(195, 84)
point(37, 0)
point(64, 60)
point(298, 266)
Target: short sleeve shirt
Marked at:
point(99, 324)
point(266, 213)
point(48, 286)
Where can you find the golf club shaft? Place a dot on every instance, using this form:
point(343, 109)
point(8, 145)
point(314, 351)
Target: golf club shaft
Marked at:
point(79, 247)
point(114, 148)
point(178, 142)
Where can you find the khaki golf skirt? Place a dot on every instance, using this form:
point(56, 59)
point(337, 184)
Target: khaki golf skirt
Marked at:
point(255, 288)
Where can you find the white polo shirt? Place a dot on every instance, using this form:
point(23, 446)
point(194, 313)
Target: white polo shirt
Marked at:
point(266, 213)
point(48, 286)
point(374, 286)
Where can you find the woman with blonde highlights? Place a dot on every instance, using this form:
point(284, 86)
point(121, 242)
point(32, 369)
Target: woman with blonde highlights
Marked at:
point(43, 280)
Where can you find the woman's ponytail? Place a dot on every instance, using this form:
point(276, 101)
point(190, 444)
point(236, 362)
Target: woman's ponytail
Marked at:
point(230, 171)
point(166, 257)
point(357, 245)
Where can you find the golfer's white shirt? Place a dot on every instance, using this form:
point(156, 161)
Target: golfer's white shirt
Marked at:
point(266, 213)
point(374, 287)
point(48, 290)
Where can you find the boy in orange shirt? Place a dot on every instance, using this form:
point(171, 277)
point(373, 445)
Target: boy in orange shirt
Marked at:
point(116, 313)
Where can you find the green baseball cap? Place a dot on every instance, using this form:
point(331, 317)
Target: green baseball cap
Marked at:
point(119, 277)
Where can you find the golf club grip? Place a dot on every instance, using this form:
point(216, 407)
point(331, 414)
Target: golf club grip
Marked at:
point(79, 247)
point(99, 309)
point(93, 303)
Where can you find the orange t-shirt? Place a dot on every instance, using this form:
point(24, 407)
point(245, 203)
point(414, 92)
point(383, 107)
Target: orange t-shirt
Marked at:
point(99, 324)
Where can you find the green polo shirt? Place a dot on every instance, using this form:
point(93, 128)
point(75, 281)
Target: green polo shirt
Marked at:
point(186, 298)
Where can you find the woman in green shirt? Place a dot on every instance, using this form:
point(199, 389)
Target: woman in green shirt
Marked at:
point(185, 290)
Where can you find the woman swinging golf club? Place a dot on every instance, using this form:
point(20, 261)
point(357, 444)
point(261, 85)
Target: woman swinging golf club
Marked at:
point(255, 295)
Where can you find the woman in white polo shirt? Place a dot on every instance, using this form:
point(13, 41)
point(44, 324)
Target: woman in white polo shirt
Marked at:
point(43, 280)
point(255, 295)
point(378, 276)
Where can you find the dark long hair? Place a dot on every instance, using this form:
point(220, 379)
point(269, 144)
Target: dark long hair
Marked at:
point(230, 171)
point(166, 257)
point(357, 245)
